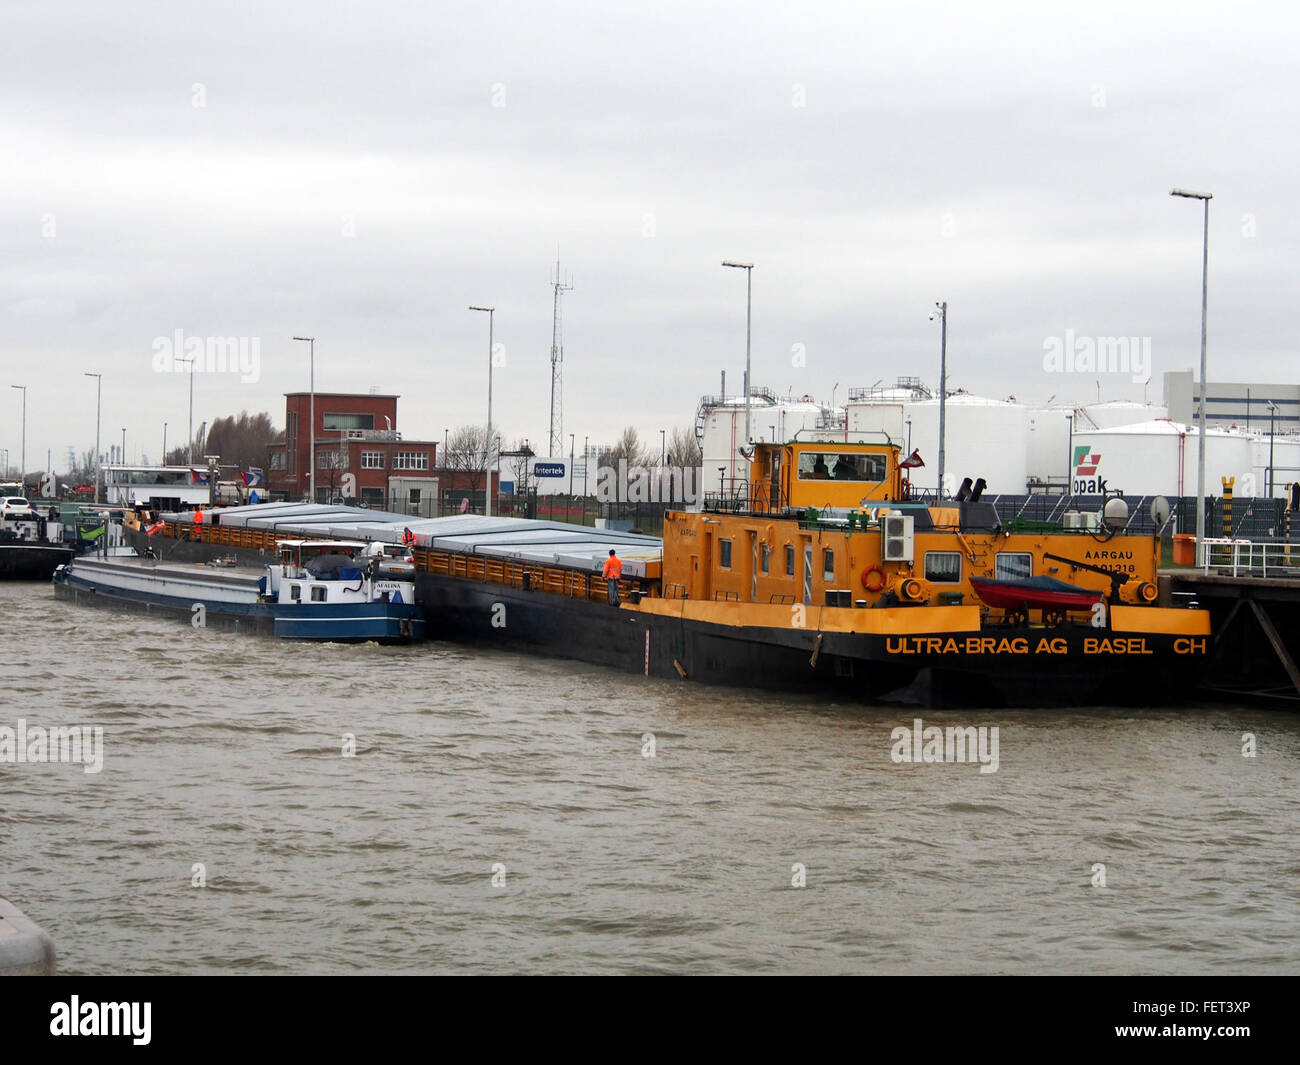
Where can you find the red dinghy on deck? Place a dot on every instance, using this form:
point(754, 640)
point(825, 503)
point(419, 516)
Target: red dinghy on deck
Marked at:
point(1035, 593)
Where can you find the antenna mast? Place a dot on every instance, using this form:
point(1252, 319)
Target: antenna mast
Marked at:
point(557, 367)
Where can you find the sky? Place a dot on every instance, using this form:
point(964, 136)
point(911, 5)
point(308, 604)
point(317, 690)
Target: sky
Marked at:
point(363, 173)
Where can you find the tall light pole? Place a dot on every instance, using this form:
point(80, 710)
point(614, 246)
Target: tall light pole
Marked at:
point(311, 418)
point(189, 446)
point(941, 313)
point(487, 462)
point(572, 439)
point(663, 448)
point(124, 445)
point(99, 383)
point(22, 461)
point(1272, 410)
point(749, 303)
point(586, 459)
point(1205, 197)
point(164, 450)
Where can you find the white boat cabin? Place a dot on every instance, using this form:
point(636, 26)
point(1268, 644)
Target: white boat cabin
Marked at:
point(334, 571)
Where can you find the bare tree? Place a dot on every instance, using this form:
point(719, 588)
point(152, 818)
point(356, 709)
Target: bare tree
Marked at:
point(630, 448)
point(468, 454)
point(684, 449)
point(241, 440)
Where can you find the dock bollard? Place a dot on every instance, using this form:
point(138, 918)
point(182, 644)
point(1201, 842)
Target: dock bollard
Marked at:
point(25, 950)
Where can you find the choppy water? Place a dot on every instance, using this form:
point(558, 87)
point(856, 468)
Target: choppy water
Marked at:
point(227, 751)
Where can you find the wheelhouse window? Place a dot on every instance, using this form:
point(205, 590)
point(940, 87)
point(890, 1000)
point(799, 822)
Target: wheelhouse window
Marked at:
point(1013, 566)
point(724, 551)
point(828, 564)
point(295, 592)
point(943, 567)
point(765, 557)
point(318, 594)
point(841, 466)
point(789, 560)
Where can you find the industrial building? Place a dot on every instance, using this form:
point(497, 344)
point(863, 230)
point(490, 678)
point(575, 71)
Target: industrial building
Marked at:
point(1252, 406)
point(359, 454)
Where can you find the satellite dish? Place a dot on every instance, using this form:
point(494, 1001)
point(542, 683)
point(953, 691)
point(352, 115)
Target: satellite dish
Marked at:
point(1160, 511)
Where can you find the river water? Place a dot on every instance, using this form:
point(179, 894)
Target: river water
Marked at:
point(507, 813)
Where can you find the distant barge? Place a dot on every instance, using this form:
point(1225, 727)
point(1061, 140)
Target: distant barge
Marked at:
point(799, 580)
point(317, 591)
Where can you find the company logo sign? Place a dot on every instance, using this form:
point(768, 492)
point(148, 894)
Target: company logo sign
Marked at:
point(549, 469)
point(1086, 481)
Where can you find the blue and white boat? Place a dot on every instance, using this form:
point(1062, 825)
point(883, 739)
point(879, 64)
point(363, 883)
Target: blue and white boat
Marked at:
point(338, 590)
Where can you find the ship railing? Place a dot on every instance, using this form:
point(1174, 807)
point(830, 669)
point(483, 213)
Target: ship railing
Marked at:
point(742, 498)
point(1250, 558)
point(571, 582)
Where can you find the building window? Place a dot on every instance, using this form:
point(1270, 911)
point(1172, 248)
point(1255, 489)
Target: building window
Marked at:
point(372, 460)
point(1013, 566)
point(789, 560)
point(372, 497)
point(411, 460)
point(943, 567)
point(724, 548)
point(828, 564)
point(765, 557)
point(347, 421)
point(275, 460)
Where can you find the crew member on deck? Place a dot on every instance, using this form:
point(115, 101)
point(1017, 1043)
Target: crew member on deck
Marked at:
point(612, 572)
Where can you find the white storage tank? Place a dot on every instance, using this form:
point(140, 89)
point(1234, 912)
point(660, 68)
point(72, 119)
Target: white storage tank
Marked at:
point(720, 427)
point(986, 438)
point(1157, 458)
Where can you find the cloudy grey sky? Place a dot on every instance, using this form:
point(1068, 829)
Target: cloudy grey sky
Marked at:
point(363, 172)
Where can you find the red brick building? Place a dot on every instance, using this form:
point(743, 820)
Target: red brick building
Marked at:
point(360, 455)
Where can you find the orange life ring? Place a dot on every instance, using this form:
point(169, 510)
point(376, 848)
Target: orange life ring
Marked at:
point(866, 578)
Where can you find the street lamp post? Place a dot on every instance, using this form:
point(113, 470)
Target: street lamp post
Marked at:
point(487, 462)
point(749, 303)
point(942, 314)
point(124, 445)
point(311, 418)
point(572, 438)
point(99, 382)
point(663, 448)
point(164, 450)
point(586, 459)
point(1272, 411)
point(22, 461)
point(1205, 198)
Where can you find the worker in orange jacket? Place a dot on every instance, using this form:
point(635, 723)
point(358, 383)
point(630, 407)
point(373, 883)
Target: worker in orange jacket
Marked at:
point(612, 572)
